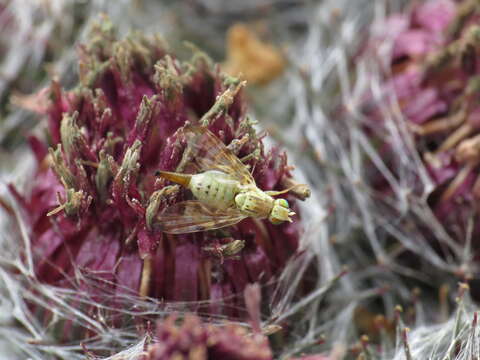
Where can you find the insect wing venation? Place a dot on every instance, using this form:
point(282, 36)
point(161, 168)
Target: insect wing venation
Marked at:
point(192, 216)
point(211, 154)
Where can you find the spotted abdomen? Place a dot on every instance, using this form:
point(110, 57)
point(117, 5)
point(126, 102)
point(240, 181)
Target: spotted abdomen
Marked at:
point(214, 188)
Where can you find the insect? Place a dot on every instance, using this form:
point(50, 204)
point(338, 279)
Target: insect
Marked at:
point(224, 190)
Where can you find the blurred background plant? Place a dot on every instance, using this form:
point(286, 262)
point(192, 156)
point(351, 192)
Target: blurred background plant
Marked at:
point(49, 316)
point(368, 96)
point(394, 141)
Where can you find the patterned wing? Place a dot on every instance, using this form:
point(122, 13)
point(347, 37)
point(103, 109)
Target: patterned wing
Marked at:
point(193, 216)
point(211, 154)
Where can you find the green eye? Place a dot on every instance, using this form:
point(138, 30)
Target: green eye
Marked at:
point(283, 203)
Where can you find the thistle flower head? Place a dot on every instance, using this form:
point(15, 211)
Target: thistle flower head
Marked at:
point(424, 120)
point(94, 199)
point(190, 338)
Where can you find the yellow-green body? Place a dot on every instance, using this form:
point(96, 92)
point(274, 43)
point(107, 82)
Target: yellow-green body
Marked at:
point(220, 191)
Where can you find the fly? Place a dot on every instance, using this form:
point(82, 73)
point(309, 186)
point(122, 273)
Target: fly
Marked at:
point(224, 190)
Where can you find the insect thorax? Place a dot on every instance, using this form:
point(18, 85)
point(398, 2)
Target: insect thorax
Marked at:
point(255, 203)
point(214, 188)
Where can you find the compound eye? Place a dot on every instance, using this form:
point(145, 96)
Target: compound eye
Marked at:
point(283, 202)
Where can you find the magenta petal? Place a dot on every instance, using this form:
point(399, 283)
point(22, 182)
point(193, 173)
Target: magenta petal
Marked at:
point(412, 43)
point(237, 273)
point(405, 84)
point(435, 15)
point(128, 272)
point(47, 187)
point(443, 168)
point(258, 265)
point(187, 256)
point(47, 243)
point(424, 105)
point(395, 25)
point(98, 253)
point(39, 149)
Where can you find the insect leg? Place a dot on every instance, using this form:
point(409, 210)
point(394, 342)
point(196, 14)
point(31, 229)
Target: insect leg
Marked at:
point(274, 193)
